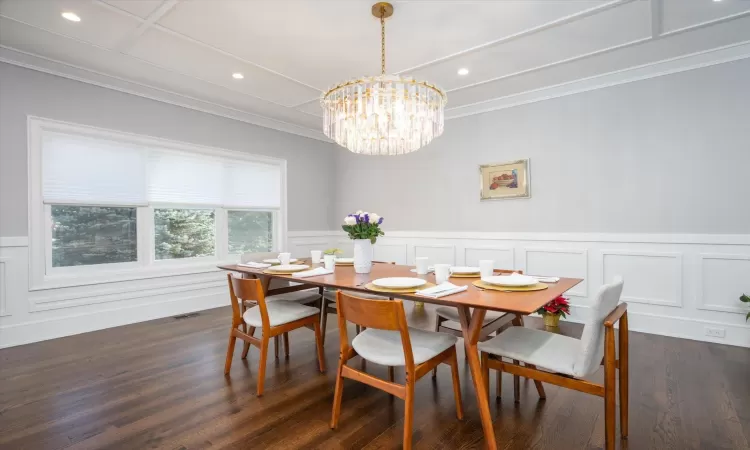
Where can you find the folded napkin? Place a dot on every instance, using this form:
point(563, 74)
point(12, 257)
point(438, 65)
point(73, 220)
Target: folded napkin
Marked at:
point(546, 279)
point(255, 265)
point(312, 273)
point(442, 290)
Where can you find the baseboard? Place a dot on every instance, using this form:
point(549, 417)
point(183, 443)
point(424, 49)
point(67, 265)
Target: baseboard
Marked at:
point(41, 330)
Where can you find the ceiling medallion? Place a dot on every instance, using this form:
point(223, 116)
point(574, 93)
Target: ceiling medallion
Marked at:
point(383, 114)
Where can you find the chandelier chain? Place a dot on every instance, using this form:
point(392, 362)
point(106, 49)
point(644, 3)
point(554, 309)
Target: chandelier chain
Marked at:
point(382, 40)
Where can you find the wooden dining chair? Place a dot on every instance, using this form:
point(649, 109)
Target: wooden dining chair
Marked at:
point(447, 320)
point(387, 340)
point(568, 360)
point(273, 318)
point(329, 302)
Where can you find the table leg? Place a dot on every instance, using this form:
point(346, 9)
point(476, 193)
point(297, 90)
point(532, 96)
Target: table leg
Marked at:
point(471, 325)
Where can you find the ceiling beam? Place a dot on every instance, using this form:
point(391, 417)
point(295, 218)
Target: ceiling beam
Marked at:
point(128, 41)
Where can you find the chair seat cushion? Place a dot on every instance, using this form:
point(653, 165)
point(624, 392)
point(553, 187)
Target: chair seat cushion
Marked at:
point(543, 349)
point(279, 313)
point(384, 346)
point(303, 297)
point(451, 313)
point(331, 295)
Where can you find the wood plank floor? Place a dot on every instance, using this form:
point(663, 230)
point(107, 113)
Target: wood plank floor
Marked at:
point(160, 384)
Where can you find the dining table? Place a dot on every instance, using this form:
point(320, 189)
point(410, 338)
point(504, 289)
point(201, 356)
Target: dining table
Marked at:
point(472, 305)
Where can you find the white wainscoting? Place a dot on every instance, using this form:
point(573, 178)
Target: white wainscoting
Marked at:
point(29, 316)
point(675, 285)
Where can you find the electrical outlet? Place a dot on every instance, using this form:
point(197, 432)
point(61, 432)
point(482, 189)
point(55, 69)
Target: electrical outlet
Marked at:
point(715, 332)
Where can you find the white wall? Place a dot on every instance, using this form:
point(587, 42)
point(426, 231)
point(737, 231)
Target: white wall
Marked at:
point(648, 180)
point(42, 314)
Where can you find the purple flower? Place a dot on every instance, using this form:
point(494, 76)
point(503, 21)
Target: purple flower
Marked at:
point(380, 221)
point(359, 220)
point(367, 218)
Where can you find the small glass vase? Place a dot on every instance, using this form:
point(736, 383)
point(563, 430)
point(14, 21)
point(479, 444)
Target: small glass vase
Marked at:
point(362, 255)
point(551, 320)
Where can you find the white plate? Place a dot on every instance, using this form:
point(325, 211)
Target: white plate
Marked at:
point(511, 280)
point(345, 260)
point(399, 282)
point(289, 267)
point(276, 261)
point(464, 270)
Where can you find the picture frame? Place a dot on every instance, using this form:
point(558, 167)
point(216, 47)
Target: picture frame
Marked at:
point(505, 180)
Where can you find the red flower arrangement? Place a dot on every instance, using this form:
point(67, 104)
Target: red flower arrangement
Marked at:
point(557, 307)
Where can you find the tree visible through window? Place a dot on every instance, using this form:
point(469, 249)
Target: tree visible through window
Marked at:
point(250, 231)
point(88, 235)
point(184, 233)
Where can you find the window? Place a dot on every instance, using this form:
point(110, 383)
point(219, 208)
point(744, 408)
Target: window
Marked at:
point(250, 231)
point(127, 205)
point(88, 235)
point(184, 233)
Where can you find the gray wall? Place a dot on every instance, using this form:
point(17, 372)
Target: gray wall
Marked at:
point(23, 92)
point(665, 155)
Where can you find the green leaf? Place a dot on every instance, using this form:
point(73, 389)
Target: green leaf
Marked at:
point(745, 299)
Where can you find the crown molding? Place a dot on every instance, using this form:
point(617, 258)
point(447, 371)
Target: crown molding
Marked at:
point(54, 67)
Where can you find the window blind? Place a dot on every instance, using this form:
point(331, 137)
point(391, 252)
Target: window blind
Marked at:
point(93, 171)
point(252, 185)
point(184, 178)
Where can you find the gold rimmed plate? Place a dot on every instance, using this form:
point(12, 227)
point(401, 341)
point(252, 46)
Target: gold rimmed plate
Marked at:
point(494, 287)
point(411, 290)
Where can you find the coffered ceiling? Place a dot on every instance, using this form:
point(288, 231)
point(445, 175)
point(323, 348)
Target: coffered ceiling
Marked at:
point(289, 51)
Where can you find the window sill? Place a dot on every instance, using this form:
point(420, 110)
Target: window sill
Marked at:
point(88, 277)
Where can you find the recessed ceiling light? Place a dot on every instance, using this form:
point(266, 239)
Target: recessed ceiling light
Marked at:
point(463, 71)
point(238, 76)
point(73, 17)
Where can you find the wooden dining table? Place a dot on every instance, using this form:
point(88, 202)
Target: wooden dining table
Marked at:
point(472, 306)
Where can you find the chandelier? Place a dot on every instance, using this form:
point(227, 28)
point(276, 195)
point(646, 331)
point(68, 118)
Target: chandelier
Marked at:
point(383, 114)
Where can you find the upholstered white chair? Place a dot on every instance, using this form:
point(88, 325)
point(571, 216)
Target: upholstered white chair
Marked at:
point(389, 341)
point(567, 360)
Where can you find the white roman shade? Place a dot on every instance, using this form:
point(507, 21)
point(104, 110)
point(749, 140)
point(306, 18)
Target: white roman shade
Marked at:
point(92, 171)
point(252, 185)
point(184, 178)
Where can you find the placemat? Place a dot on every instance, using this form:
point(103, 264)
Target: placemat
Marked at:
point(284, 272)
point(372, 287)
point(466, 275)
point(493, 287)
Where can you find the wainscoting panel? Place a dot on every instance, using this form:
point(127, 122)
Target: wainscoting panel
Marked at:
point(723, 279)
point(652, 278)
point(504, 257)
point(3, 288)
point(397, 253)
point(438, 254)
point(562, 262)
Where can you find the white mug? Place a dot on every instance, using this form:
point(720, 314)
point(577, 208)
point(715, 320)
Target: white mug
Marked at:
point(329, 261)
point(421, 262)
point(442, 273)
point(486, 268)
point(284, 258)
point(315, 256)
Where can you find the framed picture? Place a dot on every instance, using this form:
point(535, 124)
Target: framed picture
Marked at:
point(505, 180)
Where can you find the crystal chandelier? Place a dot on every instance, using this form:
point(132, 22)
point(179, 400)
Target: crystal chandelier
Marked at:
point(383, 114)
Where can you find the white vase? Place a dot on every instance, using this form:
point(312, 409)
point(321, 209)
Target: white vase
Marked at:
point(362, 255)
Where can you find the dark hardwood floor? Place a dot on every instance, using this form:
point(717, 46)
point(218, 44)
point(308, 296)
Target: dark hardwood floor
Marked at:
point(160, 384)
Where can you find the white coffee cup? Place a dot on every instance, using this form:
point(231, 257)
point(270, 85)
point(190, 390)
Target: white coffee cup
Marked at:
point(486, 268)
point(315, 256)
point(421, 263)
point(284, 258)
point(329, 261)
point(442, 273)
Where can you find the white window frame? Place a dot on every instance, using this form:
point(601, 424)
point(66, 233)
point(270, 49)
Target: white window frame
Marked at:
point(43, 276)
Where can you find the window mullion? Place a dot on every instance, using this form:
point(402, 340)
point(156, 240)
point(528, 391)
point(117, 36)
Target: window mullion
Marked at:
point(222, 234)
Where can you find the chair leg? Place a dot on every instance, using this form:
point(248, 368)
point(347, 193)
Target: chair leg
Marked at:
point(538, 384)
point(409, 411)
point(337, 394)
point(516, 385)
point(391, 373)
point(456, 386)
point(319, 344)
point(437, 328)
point(230, 352)
point(499, 385)
point(623, 368)
point(485, 372)
point(246, 347)
point(324, 319)
point(276, 343)
point(286, 345)
point(262, 365)
point(609, 389)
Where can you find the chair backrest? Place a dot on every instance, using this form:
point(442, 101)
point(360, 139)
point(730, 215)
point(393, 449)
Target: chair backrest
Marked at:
point(246, 289)
point(257, 256)
point(592, 339)
point(371, 313)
